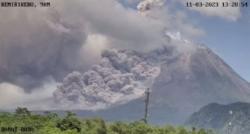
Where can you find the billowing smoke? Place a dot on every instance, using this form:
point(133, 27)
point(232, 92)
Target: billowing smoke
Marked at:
point(36, 43)
point(146, 5)
point(120, 77)
point(39, 99)
point(41, 43)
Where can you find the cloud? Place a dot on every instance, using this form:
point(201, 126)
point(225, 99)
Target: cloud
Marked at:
point(118, 78)
point(173, 20)
point(185, 27)
point(124, 26)
point(95, 44)
point(13, 96)
point(229, 13)
point(37, 43)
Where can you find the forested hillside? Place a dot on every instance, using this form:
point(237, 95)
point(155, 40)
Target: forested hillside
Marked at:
point(24, 122)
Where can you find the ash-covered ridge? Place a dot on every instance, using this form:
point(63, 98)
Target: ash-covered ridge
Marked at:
point(120, 77)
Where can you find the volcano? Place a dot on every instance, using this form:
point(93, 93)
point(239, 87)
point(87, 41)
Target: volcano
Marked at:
point(187, 81)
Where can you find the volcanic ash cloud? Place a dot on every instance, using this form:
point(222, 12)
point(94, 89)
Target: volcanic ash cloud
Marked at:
point(120, 77)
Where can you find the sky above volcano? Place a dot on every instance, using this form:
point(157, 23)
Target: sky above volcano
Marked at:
point(229, 39)
point(227, 33)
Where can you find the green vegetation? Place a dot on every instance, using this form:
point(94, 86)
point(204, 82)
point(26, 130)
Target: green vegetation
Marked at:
point(24, 122)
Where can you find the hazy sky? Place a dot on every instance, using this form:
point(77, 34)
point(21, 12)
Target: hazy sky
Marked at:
point(229, 39)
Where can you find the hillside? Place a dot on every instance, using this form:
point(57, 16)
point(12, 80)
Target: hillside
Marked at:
point(223, 118)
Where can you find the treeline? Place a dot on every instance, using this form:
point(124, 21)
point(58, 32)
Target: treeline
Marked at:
point(23, 122)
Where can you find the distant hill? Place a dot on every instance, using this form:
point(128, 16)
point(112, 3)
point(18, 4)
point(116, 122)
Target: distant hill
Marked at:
point(233, 118)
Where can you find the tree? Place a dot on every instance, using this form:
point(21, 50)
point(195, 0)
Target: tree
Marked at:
point(22, 111)
point(182, 131)
point(202, 131)
point(70, 122)
point(119, 128)
point(94, 126)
